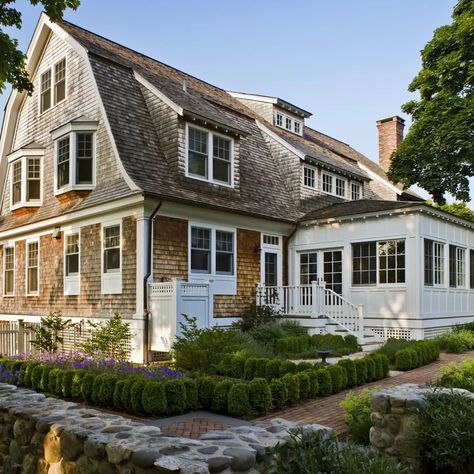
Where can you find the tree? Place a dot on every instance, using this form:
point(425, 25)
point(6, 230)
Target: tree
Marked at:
point(12, 60)
point(48, 336)
point(459, 209)
point(438, 151)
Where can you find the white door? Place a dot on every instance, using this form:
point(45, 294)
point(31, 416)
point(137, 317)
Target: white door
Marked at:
point(271, 260)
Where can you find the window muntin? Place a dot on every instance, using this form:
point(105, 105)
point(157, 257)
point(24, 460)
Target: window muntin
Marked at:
point(340, 187)
point(32, 268)
point(45, 91)
point(356, 191)
point(224, 252)
point(457, 267)
point(200, 250)
point(391, 261)
point(271, 240)
point(84, 158)
point(63, 160)
point(209, 156)
point(16, 182)
point(8, 271)
point(271, 268)
point(332, 270)
point(308, 267)
point(471, 269)
point(297, 127)
point(288, 123)
point(112, 249)
point(327, 183)
point(33, 179)
point(59, 81)
point(72, 255)
point(309, 177)
point(434, 263)
point(279, 119)
point(364, 263)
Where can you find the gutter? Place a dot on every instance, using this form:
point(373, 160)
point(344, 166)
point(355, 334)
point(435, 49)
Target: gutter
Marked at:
point(146, 311)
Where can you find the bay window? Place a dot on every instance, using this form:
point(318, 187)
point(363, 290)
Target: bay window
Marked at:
point(25, 178)
point(209, 156)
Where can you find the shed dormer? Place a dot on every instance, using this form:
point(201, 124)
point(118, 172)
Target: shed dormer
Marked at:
point(281, 113)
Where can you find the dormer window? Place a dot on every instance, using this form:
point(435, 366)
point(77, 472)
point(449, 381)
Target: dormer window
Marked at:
point(53, 86)
point(288, 123)
point(279, 119)
point(297, 127)
point(340, 187)
point(75, 156)
point(25, 178)
point(209, 156)
point(356, 191)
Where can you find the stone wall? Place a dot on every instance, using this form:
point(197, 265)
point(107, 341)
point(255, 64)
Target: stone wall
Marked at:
point(45, 435)
point(396, 426)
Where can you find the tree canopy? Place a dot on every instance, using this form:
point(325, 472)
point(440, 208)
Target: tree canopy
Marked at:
point(438, 151)
point(12, 60)
point(459, 209)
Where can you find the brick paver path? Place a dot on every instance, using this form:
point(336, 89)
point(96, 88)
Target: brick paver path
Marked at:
point(326, 410)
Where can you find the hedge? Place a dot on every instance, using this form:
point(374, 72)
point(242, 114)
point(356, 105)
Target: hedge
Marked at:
point(192, 394)
point(260, 395)
point(416, 354)
point(279, 393)
point(304, 384)
point(351, 372)
point(175, 391)
point(336, 372)
point(293, 388)
point(136, 393)
point(221, 396)
point(238, 403)
point(117, 399)
point(272, 369)
point(154, 398)
point(206, 391)
point(324, 381)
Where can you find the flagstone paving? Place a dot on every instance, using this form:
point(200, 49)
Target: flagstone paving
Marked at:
point(325, 411)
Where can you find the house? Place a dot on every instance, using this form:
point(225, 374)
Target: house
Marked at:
point(130, 186)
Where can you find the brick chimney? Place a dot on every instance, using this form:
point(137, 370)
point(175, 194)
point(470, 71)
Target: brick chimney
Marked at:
point(390, 137)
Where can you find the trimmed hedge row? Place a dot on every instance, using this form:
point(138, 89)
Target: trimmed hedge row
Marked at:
point(419, 353)
point(237, 397)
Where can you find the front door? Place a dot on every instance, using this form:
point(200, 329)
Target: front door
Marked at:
point(271, 260)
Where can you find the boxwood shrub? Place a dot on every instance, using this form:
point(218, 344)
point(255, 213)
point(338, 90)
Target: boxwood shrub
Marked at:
point(175, 396)
point(44, 382)
point(53, 381)
point(313, 383)
point(293, 388)
point(336, 374)
point(272, 369)
point(105, 395)
point(249, 368)
point(351, 373)
point(406, 359)
point(221, 395)
point(66, 382)
point(260, 368)
point(76, 389)
point(287, 367)
point(237, 364)
point(238, 400)
point(371, 368)
point(304, 384)
point(136, 392)
point(127, 392)
point(361, 371)
point(36, 374)
point(279, 393)
point(324, 381)
point(260, 395)
point(154, 398)
point(87, 383)
point(117, 399)
point(27, 381)
point(192, 394)
point(206, 391)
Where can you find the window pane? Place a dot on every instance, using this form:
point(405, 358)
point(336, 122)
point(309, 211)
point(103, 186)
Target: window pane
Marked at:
point(364, 263)
point(45, 95)
point(224, 252)
point(391, 261)
point(197, 152)
point(60, 81)
point(63, 162)
point(9, 266)
point(201, 261)
point(112, 249)
point(72, 254)
point(33, 183)
point(197, 164)
point(271, 269)
point(221, 170)
point(200, 250)
point(84, 158)
point(327, 183)
point(16, 182)
point(309, 177)
point(340, 187)
point(308, 267)
point(32, 267)
point(452, 266)
point(428, 262)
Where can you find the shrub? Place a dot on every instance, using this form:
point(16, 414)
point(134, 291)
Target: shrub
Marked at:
point(237, 364)
point(175, 397)
point(36, 375)
point(324, 382)
point(456, 341)
point(351, 373)
point(202, 349)
point(351, 342)
point(448, 432)
point(370, 364)
point(272, 369)
point(379, 365)
point(126, 398)
point(28, 380)
point(238, 400)
point(358, 409)
point(279, 393)
point(260, 367)
point(313, 383)
point(117, 398)
point(44, 382)
point(192, 394)
point(48, 335)
point(287, 367)
point(305, 386)
point(314, 454)
point(154, 398)
point(406, 359)
point(260, 395)
point(224, 365)
point(206, 391)
point(293, 388)
point(53, 381)
point(106, 390)
point(249, 368)
point(221, 395)
point(136, 392)
point(361, 371)
point(87, 383)
point(336, 374)
point(256, 316)
point(66, 382)
point(293, 328)
point(459, 375)
point(76, 389)
point(392, 346)
point(95, 388)
point(304, 366)
point(267, 334)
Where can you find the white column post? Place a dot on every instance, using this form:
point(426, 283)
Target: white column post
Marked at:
point(360, 314)
point(142, 237)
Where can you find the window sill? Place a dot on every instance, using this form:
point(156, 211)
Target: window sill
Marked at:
point(29, 295)
point(26, 204)
point(76, 187)
point(209, 181)
point(40, 114)
point(9, 296)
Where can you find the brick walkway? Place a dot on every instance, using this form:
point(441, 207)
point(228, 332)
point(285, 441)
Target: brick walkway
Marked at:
point(325, 411)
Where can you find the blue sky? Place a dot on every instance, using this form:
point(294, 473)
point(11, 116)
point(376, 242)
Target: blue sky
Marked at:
point(349, 62)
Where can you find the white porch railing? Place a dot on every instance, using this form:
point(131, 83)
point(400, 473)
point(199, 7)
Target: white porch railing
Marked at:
point(313, 301)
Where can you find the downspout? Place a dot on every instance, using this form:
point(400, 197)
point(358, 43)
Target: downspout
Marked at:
point(149, 259)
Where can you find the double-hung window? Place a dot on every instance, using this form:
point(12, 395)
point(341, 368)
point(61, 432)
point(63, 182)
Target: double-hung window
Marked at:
point(340, 187)
point(434, 263)
point(26, 176)
point(8, 271)
point(212, 251)
point(72, 281)
point(288, 123)
point(53, 85)
point(309, 177)
point(356, 191)
point(327, 183)
point(112, 249)
point(297, 127)
point(308, 267)
point(75, 156)
point(32, 268)
point(378, 262)
point(209, 155)
point(457, 267)
point(471, 269)
point(279, 119)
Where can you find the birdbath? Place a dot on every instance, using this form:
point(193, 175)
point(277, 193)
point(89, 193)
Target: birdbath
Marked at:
point(323, 353)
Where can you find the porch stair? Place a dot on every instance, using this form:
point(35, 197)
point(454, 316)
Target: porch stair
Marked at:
point(369, 342)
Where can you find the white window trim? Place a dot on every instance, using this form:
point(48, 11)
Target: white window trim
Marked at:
point(335, 176)
point(23, 155)
point(111, 283)
point(361, 190)
point(72, 283)
point(293, 121)
point(71, 131)
point(11, 246)
point(213, 273)
point(466, 268)
point(27, 242)
point(271, 249)
point(315, 170)
point(53, 83)
point(210, 150)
